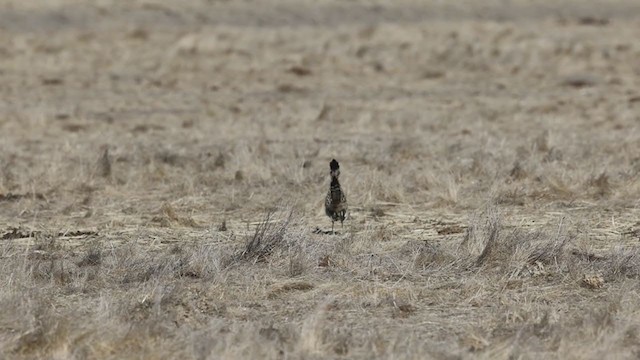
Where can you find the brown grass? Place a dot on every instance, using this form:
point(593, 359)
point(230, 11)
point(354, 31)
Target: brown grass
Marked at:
point(163, 167)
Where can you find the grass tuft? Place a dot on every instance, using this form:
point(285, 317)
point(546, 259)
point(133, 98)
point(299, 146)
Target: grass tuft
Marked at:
point(268, 236)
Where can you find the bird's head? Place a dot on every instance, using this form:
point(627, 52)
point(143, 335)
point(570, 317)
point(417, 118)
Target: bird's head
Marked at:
point(335, 168)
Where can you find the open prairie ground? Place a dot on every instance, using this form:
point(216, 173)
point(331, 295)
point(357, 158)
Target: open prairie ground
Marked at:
point(163, 168)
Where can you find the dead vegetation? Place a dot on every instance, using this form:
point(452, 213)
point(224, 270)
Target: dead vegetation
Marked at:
point(267, 237)
point(489, 153)
point(171, 295)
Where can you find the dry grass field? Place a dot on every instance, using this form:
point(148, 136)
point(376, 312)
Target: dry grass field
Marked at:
point(163, 167)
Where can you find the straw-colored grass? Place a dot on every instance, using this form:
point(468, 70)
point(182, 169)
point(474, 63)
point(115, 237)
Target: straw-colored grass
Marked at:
point(163, 167)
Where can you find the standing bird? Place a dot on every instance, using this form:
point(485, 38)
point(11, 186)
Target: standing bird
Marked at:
point(335, 204)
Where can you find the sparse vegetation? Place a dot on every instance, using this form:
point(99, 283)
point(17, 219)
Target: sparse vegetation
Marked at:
point(267, 237)
point(162, 182)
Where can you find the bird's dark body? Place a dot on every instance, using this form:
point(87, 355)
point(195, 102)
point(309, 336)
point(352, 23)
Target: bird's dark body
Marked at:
point(335, 204)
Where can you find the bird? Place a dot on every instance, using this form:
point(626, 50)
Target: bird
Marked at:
point(335, 203)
